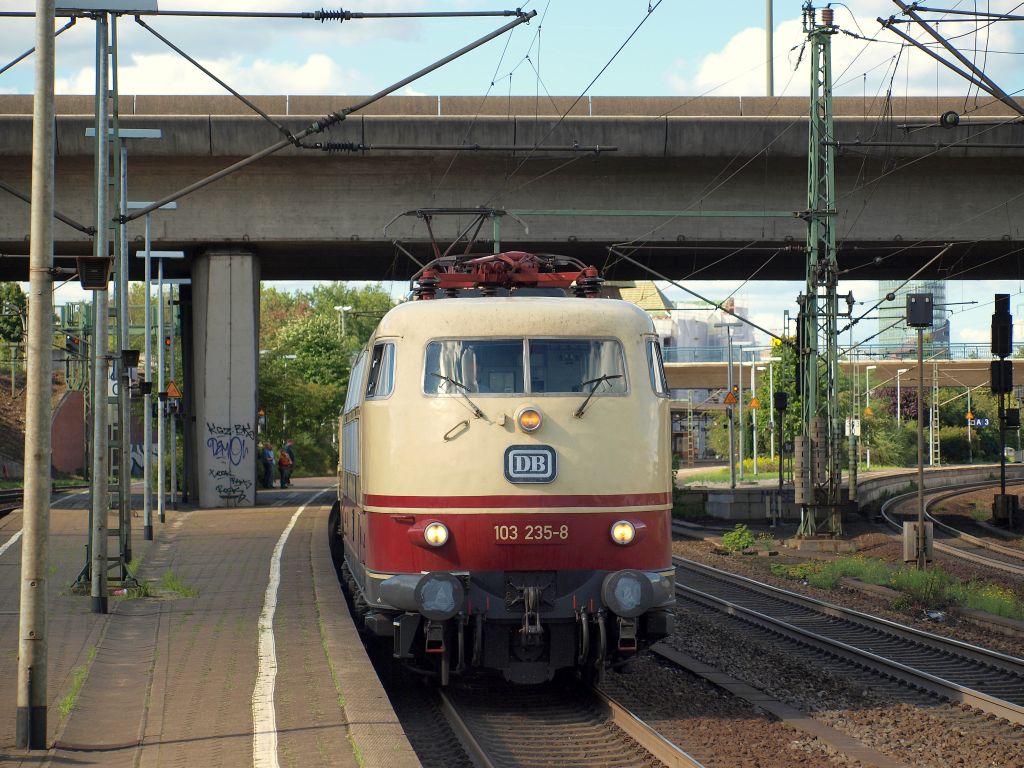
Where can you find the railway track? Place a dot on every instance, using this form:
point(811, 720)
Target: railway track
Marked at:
point(953, 541)
point(984, 679)
point(11, 499)
point(544, 725)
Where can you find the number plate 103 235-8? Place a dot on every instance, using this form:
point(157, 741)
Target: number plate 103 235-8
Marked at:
point(531, 533)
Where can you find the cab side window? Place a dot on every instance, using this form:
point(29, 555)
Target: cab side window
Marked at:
point(355, 379)
point(657, 368)
point(381, 381)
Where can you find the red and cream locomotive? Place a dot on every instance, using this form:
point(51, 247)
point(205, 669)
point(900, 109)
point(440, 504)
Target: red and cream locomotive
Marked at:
point(504, 475)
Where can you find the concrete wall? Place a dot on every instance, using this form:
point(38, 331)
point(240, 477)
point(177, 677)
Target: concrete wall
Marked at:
point(225, 307)
point(746, 504)
point(68, 434)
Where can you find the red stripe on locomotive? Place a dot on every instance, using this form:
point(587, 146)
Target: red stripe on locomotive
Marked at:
point(486, 542)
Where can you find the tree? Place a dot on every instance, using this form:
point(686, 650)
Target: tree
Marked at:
point(14, 315)
point(309, 388)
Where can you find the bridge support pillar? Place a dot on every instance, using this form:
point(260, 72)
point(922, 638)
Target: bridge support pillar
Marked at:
point(225, 306)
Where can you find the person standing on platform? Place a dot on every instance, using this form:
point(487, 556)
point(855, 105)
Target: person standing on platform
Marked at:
point(289, 448)
point(284, 466)
point(267, 458)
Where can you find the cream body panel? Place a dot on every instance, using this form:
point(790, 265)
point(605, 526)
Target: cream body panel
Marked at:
point(620, 446)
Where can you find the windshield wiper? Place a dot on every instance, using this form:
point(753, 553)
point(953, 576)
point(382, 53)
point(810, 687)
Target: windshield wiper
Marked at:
point(597, 383)
point(463, 389)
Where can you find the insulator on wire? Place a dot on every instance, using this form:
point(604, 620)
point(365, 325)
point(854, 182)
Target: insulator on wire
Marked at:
point(333, 147)
point(323, 15)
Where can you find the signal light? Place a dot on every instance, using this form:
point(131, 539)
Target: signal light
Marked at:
point(167, 341)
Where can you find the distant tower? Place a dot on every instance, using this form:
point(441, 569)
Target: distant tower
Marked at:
point(890, 312)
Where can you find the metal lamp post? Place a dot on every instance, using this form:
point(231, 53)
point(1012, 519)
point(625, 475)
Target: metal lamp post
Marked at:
point(284, 404)
point(341, 319)
point(147, 410)
point(899, 372)
point(867, 408)
point(753, 411)
point(753, 351)
point(732, 431)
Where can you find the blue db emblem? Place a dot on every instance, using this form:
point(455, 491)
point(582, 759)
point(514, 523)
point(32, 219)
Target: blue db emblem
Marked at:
point(529, 464)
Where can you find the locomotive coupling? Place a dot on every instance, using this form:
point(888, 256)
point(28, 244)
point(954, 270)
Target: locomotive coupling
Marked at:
point(437, 595)
point(629, 593)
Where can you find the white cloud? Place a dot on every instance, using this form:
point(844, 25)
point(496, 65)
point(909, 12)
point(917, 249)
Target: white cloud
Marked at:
point(859, 67)
point(167, 73)
point(973, 335)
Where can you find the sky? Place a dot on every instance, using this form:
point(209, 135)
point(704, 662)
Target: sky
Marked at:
point(573, 47)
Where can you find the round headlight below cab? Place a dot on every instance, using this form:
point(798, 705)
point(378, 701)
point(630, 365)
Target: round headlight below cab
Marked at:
point(435, 534)
point(623, 532)
point(529, 419)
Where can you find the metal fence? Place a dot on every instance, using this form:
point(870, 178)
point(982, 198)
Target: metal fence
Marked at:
point(959, 351)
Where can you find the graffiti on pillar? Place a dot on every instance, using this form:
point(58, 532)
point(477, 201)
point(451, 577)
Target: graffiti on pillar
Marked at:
point(230, 445)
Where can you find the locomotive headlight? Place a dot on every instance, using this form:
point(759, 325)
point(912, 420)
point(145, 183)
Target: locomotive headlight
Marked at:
point(623, 532)
point(435, 534)
point(529, 419)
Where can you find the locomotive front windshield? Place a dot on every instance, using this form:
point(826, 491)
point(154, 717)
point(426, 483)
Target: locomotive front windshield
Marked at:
point(507, 366)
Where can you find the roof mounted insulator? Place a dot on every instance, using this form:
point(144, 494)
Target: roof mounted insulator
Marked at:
point(427, 285)
point(588, 284)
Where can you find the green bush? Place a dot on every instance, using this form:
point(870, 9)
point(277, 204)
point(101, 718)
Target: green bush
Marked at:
point(738, 539)
point(932, 589)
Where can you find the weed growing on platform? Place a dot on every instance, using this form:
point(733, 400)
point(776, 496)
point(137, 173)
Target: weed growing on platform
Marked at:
point(77, 681)
point(932, 589)
point(172, 583)
point(738, 539)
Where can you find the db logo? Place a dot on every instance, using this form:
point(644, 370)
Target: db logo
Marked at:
point(529, 464)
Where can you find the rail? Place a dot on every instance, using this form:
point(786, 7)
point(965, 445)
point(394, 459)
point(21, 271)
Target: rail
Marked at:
point(985, 679)
point(490, 741)
point(1015, 560)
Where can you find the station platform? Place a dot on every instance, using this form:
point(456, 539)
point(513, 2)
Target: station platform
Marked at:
point(244, 655)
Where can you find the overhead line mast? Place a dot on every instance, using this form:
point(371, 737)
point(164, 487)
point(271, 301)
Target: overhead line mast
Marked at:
point(818, 487)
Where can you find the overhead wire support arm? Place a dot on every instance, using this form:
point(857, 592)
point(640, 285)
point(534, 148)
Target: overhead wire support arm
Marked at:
point(56, 214)
point(322, 15)
point(326, 122)
point(716, 304)
point(355, 146)
point(987, 83)
point(32, 50)
point(974, 15)
point(287, 134)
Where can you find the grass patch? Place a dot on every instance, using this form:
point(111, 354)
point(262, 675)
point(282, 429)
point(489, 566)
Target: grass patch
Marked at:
point(933, 589)
point(172, 583)
point(77, 681)
point(979, 512)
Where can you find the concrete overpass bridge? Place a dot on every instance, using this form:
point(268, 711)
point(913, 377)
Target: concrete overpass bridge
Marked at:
point(681, 170)
point(680, 166)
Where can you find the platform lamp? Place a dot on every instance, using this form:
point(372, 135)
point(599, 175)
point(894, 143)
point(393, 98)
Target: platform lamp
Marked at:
point(919, 316)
